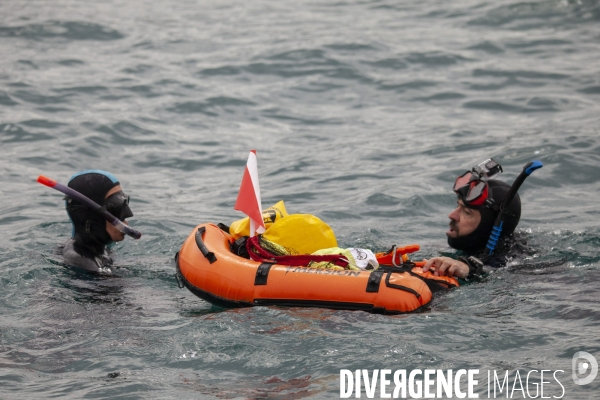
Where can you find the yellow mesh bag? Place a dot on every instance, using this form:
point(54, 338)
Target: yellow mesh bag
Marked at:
point(334, 250)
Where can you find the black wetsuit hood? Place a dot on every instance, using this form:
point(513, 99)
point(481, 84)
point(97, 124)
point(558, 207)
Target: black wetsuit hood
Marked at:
point(89, 227)
point(475, 241)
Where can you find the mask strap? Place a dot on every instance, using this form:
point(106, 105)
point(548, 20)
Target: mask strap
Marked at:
point(491, 204)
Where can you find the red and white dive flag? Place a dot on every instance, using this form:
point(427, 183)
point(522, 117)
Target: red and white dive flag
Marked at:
point(248, 200)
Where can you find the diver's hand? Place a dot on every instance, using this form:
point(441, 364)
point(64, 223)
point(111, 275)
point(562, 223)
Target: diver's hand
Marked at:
point(441, 266)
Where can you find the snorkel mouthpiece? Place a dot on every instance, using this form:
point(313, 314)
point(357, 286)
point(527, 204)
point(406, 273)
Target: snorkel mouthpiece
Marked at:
point(532, 166)
point(125, 229)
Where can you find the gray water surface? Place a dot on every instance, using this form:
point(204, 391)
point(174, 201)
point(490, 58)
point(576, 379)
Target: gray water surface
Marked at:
point(361, 112)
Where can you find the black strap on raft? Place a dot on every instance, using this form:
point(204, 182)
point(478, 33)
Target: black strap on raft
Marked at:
point(178, 275)
point(223, 227)
point(375, 279)
point(205, 252)
point(262, 274)
point(399, 287)
point(435, 285)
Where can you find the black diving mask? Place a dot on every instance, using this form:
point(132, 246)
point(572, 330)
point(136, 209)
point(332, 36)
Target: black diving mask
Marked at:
point(118, 205)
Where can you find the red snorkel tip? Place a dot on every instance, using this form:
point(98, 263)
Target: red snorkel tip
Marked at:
point(46, 181)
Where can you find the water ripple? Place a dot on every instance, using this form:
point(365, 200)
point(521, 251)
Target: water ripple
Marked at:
point(520, 16)
point(71, 30)
point(518, 74)
point(210, 106)
point(434, 59)
point(403, 87)
point(35, 97)
point(591, 90)
point(488, 47)
point(533, 105)
point(11, 133)
point(5, 100)
point(127, 133)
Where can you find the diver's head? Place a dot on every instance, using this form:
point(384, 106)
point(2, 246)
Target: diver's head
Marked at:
point(479, 200)
point(89, 227)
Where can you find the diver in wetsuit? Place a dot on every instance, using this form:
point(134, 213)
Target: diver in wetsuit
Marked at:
point(87, 247)
point(478, 204)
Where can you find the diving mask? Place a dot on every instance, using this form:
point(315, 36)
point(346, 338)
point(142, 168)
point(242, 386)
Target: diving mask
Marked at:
point(118, 205)
point(472, 186)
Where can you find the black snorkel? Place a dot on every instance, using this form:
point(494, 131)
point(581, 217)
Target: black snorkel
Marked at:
point(117, 223)
point(499, 222)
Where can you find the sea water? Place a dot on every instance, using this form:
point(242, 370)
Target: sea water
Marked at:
point(362, 113)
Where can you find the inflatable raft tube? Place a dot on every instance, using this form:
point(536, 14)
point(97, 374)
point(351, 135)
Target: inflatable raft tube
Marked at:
point(207, 267)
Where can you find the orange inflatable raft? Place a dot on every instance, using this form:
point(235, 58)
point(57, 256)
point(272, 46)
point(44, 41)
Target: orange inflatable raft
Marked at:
point(207, 267)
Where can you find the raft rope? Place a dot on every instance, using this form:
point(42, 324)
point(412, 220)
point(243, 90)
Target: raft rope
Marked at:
point(258, 253)
point(394, 257)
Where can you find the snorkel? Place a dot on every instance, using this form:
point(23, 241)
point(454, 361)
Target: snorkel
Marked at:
point(125, 229)
point(499, 222)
